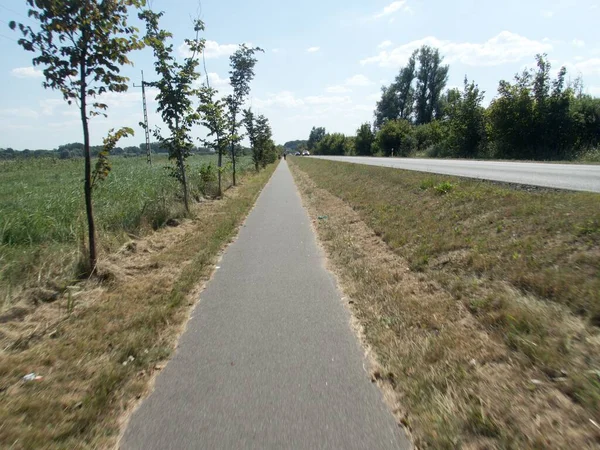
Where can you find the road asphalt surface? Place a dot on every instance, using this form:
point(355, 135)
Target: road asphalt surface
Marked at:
point(576, 177)
point(269, 359)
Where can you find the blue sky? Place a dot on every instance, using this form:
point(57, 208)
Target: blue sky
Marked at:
point(324, 61)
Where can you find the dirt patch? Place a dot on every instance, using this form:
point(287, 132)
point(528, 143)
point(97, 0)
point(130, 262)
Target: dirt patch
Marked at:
point(458, 380)
point(38, 310)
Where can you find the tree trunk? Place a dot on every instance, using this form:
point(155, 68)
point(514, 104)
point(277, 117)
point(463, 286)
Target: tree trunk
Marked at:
point(233, 161)
point(88, 163)
point(219, 164)
point(256, 157)
point(181, 164)
point(233, 146)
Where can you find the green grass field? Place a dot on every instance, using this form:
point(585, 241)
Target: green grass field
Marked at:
point(42, 215)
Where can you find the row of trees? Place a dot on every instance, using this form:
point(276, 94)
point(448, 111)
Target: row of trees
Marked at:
point(82, 46)
point(77, 150)
point(536, 116)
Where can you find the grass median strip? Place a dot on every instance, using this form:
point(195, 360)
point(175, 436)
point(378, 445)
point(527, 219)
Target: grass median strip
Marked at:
point(480, 301)
point(98, 346)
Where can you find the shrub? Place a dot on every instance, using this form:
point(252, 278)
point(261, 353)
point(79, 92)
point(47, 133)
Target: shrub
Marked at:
point(208, 179)
point(428, 135)
point(270, 155)
point(395, 138)
point(334, 144)
point(363, 144)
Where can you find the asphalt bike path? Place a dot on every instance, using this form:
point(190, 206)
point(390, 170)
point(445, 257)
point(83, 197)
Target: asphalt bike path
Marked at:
point(268, 359)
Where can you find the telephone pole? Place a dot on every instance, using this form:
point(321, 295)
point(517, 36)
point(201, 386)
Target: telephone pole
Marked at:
point(146, 126)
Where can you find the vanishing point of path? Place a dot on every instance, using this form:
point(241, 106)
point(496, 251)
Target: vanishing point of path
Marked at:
point(268, 360)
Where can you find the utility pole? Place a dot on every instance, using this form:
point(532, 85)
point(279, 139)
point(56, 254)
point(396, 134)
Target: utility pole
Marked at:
point(146, 126)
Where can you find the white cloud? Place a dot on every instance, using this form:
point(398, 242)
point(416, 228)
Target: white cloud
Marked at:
point(275, 50)
point(216, 81)
point(338, 89)
point(326, 100)
point(588, 67)
point(71, 113)
point(22, 113)
point(16, 126)
point(129, 102)
point(593, 90)
point(27, 72)
point(547, 13)
point(578, 43)
point(362, 108)
point(287, 99)
point(128, 99)
point(393, 8)
point(504, 48)
point(284, 98)
point(313, 49)
point(65, 126)
point(212, 49)
point(358, 80)
point(50, 104)
point(385, 44)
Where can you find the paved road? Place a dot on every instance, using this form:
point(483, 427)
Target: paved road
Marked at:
point(575, 177)
point(269, 360)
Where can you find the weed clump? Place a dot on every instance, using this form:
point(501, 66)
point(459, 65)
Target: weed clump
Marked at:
point(444, 187)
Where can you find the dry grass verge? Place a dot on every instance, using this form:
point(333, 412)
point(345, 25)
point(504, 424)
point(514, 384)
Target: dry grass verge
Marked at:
point(478, 357)
point(98, 345)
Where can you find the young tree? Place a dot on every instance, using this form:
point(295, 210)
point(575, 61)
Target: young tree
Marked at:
point(387, 108)
point(555, 124)
point(261, 139)
point(405, 89)
point(241, 74)
point(397, 100)
point(82, 44)
point(432, 77)
point(213, 117)
point(364, 140)
point(401, 100)
point(316, 135)
point(511, 116)
point(467, 124)
point(533, 118)
point(252, 132)
point(586, 113)
point(266, 152)
point(175, 93)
